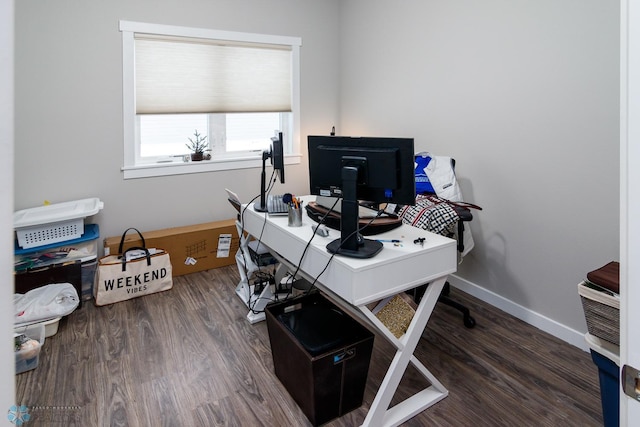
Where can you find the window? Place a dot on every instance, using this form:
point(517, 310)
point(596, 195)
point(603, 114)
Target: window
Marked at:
point(234, 88)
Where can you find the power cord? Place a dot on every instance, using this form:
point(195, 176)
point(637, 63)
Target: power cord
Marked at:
point(313, 284)
point(312, 287)
point(262, 276)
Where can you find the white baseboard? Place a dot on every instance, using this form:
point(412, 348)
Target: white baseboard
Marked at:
point(550, 326)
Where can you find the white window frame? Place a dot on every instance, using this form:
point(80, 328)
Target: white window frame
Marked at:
point(248, 160)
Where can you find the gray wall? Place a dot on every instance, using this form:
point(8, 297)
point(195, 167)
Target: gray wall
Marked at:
point(69, 104)
point(525, 96)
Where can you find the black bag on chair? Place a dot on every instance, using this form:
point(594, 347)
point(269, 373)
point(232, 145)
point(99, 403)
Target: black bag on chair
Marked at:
point(367, 226)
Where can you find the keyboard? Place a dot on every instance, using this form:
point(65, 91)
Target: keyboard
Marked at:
point(275, 205)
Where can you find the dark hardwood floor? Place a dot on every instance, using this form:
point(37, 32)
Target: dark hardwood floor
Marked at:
point(188, 357)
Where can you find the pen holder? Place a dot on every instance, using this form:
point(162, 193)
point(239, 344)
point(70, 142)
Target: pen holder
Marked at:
point(295, 216)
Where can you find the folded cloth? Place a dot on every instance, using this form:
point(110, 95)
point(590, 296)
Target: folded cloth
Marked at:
point(607, 276)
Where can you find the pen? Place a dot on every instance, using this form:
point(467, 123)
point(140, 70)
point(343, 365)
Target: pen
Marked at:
point(389, 240)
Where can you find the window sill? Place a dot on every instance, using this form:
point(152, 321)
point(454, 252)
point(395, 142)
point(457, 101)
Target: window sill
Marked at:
point(213, 165)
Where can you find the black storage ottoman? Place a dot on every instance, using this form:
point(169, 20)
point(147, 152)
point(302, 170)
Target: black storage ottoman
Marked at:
point(320, 354)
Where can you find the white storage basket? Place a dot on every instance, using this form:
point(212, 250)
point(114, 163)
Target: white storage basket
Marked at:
point(50, 233)
point(54, 223)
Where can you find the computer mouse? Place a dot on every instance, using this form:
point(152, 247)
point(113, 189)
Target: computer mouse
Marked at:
point(322, 231)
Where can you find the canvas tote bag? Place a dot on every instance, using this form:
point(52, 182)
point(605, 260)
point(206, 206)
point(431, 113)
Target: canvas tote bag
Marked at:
point(136, 272)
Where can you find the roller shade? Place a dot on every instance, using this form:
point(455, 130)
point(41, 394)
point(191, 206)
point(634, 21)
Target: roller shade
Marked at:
point(189, 75)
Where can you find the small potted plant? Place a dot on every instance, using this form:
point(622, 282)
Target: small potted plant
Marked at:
point(198, 146)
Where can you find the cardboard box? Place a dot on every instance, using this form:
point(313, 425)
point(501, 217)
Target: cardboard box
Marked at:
point(192, 248)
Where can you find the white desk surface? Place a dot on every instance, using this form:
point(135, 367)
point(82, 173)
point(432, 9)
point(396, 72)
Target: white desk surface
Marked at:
point(360, 281)
point(396, 268)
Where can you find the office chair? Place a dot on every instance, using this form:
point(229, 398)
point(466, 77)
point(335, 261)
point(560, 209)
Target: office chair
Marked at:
point(462, 214)
point(417, 293)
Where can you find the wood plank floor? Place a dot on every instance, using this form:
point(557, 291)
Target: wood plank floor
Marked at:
point(188, 357)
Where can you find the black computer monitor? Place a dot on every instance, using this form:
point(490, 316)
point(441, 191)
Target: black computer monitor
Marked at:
point(377, 170)
point(276, 154)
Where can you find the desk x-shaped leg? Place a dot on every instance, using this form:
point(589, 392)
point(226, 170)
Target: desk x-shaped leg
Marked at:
point(380, 414)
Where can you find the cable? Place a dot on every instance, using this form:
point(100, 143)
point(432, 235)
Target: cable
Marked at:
point(334, 254)
point(304, 252)
point(259, 273)
point(293, 276)
point(244, 257)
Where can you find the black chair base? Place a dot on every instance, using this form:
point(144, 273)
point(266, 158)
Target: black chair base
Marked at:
point(464, 215)
point(467, 319)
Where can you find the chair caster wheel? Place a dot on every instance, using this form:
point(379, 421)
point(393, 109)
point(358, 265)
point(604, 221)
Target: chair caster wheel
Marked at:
point(469, 322)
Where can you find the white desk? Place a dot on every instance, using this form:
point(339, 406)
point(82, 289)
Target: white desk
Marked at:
point(359, 282)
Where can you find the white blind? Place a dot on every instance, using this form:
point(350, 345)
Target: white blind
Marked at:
point(190, 75)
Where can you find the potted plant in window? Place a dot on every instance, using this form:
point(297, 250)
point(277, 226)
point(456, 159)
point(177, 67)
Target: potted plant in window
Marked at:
point(198, 147)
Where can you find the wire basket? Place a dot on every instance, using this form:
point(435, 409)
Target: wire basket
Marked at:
point(602, 313)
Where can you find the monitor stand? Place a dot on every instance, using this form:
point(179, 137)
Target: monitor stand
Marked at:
point(262, 205)
point(351, 243)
